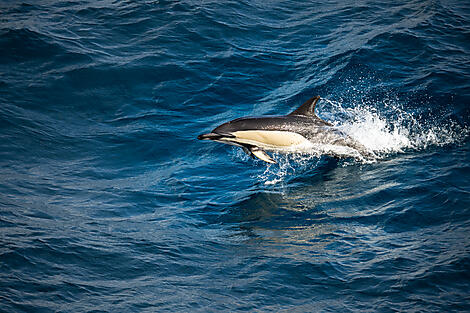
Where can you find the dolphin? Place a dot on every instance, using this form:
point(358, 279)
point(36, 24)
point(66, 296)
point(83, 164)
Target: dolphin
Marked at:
point(301, 131)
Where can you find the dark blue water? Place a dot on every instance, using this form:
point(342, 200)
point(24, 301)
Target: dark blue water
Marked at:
point(109, 203)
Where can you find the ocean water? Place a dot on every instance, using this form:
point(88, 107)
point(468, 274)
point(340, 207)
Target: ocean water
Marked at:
point(109, 203)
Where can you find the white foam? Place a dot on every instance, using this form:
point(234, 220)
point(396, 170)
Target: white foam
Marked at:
point(383, 134)
point(287, 164)
point(394, 131)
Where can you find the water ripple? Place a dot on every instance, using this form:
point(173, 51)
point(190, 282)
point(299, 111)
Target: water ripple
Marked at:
point(108, 201)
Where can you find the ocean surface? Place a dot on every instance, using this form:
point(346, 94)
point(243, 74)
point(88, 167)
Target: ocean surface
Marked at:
point(109, 203)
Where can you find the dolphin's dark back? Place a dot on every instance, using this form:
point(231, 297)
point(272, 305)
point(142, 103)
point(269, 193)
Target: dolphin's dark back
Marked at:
point(294, 123)
point(303, 121)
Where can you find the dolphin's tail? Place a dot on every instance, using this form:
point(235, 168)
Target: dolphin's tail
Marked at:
point(361, 149)
point(365, 153)
point(345, 140)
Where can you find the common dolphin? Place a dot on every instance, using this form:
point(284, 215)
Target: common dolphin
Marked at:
point(300, 131)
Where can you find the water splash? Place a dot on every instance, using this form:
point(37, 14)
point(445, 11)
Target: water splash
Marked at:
point(385, 132)
point(288, 165)
point(392, 129)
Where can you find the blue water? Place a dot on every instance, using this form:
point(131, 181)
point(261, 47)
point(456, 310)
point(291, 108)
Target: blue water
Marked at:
point(109, 203)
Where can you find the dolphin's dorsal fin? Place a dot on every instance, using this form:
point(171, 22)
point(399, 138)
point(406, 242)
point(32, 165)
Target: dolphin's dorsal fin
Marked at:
point(308, 108)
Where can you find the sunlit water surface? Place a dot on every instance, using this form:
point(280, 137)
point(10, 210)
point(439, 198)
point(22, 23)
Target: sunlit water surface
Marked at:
point(109, 203)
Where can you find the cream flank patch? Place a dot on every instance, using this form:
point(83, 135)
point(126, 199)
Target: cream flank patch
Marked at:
point(269, 138)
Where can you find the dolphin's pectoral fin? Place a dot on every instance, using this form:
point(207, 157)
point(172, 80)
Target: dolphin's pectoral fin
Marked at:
point(260, 154)
point(247, 151)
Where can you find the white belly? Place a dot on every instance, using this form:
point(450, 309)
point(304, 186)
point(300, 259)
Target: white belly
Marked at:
point(271, 139)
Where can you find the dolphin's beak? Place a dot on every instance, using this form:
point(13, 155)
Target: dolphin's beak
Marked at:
point(214, 136)
point(209, 136)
